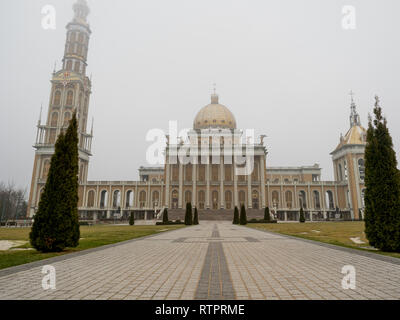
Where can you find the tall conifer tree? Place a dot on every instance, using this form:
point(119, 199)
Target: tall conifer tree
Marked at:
point(56, 224)
point(382, 181)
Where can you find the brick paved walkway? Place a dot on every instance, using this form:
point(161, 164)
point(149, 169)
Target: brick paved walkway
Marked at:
point(214, 260)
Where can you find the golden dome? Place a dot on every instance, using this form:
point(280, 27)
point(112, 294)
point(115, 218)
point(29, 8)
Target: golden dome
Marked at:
point(356, 135)
point(214, 115)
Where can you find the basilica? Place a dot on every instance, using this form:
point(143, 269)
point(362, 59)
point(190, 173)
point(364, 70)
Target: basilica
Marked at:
point(215, 171)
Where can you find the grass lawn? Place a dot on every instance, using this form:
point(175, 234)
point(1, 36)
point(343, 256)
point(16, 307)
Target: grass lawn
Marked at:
point(338, 233)
point(91, 237)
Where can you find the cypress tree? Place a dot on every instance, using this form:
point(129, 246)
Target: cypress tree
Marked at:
point(302, 218)
point(267, 216)
point(132, 219)
point(196, 216)
point(56, 224)
point(188, 214)
point(236, 216)
point(243, 217)
point(165, 216)
point(382, 182)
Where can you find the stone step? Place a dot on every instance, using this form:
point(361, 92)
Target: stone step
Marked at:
point(221, 214)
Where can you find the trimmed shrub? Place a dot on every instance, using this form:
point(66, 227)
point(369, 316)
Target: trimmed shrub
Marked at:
point(165, 215)
point(302, 218)
point(188, 214)
point(267, 215)
point(196, 216)
point(243, 216)
point(236, 216)
point(132, 219)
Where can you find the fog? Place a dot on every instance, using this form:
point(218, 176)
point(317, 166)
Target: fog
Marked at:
point(284, 68)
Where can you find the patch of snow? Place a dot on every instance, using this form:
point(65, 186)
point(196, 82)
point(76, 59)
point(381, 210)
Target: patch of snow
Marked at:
point(8, 244)
point(357, 240)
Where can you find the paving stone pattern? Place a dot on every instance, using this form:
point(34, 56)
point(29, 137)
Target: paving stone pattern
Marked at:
point(213, 260)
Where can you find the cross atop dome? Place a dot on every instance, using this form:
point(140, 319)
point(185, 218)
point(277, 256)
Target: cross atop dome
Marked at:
point(214, 96)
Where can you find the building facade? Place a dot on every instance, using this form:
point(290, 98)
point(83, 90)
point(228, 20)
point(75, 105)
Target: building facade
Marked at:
point(214, 169)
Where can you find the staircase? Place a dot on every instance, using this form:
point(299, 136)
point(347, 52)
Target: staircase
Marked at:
point(220, 214)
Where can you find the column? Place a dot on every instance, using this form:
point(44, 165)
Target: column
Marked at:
point(180, 194)
point(221, 181)
point(194, 179)
point(208, 183)
point(249, 195)
point(262, 181)
point(148, 202)
point(167, 168)
point(109, 202)
point(135, 200)
point(235, 190)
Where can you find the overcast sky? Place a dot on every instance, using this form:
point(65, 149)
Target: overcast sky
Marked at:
point(284, 68)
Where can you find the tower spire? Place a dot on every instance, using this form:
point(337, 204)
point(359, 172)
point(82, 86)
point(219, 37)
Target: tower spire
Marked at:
point(354, 116)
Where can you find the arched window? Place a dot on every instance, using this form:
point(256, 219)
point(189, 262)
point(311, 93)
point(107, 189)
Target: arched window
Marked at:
point(215, 200)
point(228, 199)
point(329, 199)
point(57, 98)
point(90, 199)
point(77, 64)
point(156, 199)
point(188, 197)
point(242, 198)
point(81, 172)
point(117, 199)
point(142, 199)
point(275, 199)
point(340, 172)
point(175, 172)
point(188, 172)
point(317, 203)
point(70, 97)
point(255, 200)
point(288, 199)
point(362, 197)
point(202, 172)
point(103, 199)
point(54, 119)
point(214, 173)
point(175, 199)
point(46, 168)
point(228, 172)
point(67, 118)
point(302, 199)
point(254, 174)
point(361, 169)
point(69, 65)
point(345, 170)
point(52, 137)
point(201, 199)
point(129, 199)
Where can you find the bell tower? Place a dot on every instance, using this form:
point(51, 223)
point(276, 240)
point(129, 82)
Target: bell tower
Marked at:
point(348, 165)
point(70, 91)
